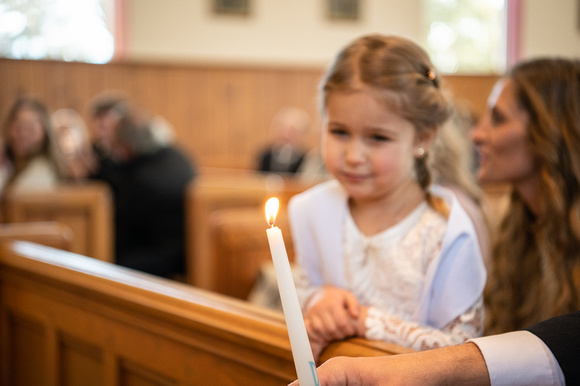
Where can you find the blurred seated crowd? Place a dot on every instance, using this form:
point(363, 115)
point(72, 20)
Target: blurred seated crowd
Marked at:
point(123, 145)
point(134, 152)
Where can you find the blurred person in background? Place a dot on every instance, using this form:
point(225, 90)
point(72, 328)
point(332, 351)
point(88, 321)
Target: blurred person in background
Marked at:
point(149, 181)
point(27, 160)
point(71, 145)
point(287, 148)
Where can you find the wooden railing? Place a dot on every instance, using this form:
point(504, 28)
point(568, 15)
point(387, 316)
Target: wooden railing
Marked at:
point(49, 233)
point(70, 320)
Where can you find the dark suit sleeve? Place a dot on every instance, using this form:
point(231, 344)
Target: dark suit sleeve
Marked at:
point(562, 336)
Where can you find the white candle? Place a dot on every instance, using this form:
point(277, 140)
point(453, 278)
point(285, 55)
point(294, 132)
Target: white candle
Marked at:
point(301, 350)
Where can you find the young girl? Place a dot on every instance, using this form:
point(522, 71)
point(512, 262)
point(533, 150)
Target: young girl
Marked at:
point(380, 252)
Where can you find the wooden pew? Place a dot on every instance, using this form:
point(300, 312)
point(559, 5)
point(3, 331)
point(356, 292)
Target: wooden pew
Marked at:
point(70, 320)
point(226, 227)
point(86, 209)
point(241, 248)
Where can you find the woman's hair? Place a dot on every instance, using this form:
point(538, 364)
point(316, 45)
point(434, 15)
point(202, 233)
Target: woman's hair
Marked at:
point(33, 104)
point(536, 257)
point(402, 72)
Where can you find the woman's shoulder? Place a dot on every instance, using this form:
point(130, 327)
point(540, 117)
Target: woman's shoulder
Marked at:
point(40, 172)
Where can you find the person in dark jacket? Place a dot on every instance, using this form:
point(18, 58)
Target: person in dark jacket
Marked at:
point(149, 182)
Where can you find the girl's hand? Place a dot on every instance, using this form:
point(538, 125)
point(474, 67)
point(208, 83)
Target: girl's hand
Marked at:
point(332, 314)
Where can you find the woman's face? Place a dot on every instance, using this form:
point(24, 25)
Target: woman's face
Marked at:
point(502, 141)
point(26, 135)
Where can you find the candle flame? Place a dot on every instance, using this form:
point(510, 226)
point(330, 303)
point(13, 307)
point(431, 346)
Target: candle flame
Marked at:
point(272, 206)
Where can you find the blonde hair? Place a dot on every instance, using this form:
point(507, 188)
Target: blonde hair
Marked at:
point(452, 154)
point(536, 256)
point(402, 72)
point(73, 146)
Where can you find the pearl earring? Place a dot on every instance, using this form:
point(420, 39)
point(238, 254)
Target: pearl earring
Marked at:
point(420, 152)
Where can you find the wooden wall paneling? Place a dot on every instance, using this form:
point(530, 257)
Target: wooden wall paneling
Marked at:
point(15, 82)
point(8, 81)
point(223, 92)
point(240, 109)
point(242, 136)
point(149, 86)
point(122, 78)
point(177, 90)
point(55, 85)
point(472, 90)
point(266, 107)
point(221, 113)
point(190, 110)
point(80, 83)
point(251, 131)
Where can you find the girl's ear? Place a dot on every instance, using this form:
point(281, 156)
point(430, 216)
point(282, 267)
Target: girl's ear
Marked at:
point(425, 138)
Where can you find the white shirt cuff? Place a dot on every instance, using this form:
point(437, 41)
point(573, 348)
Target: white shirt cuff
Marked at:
point(519, 358)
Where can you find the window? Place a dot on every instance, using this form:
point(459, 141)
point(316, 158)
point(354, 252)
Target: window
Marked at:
point(70, 30)
point(467, 36)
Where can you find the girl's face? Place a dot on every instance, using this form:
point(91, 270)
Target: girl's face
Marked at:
point(26, 135)
point(502, 141)
point(368, 147)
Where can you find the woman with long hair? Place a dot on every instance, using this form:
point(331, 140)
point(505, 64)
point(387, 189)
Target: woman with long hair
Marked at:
point(530, 139)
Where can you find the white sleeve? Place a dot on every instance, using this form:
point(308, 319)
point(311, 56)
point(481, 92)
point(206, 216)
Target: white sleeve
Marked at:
point(519, 358)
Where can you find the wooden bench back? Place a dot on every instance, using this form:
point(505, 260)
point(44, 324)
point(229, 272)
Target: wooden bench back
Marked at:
point(86, 209)
point(226, 228)
point(51, 234)
point(68, 319)
point(241, 245)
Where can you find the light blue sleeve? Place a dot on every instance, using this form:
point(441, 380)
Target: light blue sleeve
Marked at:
point(455, 280)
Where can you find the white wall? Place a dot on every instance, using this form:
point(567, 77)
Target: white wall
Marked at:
point(550, 27)
point(296, 32)
point(277, 32)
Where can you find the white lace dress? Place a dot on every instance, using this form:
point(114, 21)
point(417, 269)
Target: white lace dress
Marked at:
point(386, 272)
